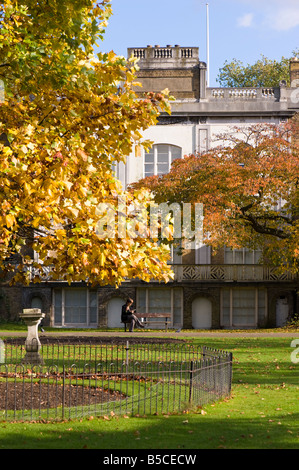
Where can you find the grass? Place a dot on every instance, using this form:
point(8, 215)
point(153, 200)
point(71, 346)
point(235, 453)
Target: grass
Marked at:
point(262, 413)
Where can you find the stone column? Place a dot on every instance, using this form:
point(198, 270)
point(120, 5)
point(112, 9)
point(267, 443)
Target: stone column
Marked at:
point(32, 317)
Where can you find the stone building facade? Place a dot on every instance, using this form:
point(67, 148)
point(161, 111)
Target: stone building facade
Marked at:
point(230, 289)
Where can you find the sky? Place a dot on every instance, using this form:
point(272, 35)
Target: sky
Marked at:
point(239, 29)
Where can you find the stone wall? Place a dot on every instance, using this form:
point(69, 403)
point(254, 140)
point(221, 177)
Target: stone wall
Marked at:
point(182, 83)
point(11, 303)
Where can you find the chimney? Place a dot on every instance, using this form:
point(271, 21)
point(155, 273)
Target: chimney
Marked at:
point(294, 72)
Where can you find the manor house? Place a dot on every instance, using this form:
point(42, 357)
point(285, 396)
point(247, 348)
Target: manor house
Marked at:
point(230, 289)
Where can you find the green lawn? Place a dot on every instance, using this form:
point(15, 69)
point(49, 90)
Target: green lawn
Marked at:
point(262, 413)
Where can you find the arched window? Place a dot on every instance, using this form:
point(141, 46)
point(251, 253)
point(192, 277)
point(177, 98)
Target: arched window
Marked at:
point(159, 159)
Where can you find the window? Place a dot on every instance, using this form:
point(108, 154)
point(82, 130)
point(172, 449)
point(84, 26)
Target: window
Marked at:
point(242, 256)
point(202, 254)
point(243, 307)
point(159, 159)
point(76, 307)
point(161, 300)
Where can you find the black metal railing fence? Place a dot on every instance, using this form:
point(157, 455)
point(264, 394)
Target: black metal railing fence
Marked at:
point(73, 380)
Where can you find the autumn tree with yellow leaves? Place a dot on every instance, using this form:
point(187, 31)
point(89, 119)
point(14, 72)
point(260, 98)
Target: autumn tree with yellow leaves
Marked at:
point(67, 116)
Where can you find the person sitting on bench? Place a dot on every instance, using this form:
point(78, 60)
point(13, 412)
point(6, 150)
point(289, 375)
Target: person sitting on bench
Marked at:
point(127, 315)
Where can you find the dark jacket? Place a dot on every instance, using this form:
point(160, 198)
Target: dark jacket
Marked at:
point(126, 312)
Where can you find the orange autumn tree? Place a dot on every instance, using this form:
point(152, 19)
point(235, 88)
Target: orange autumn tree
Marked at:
point(67, 115)
point(249, 188)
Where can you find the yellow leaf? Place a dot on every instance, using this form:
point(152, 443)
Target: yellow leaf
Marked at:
point(27, 188)
point(36, 222)
point(102, 259)
point(74, 211)
point(68, 184)
point(137, 151)
point(124, 272)
point(60, 234)
point(9, 220)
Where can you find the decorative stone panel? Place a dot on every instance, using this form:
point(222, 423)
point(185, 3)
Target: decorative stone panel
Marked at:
point(182, 83)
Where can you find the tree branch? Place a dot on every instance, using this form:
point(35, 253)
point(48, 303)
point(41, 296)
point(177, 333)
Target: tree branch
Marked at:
point(264, 230)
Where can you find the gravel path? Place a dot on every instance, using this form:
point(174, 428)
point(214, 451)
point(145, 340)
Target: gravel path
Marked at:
point(160, 334)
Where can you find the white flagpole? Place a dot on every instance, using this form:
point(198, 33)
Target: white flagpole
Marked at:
point(208, 46)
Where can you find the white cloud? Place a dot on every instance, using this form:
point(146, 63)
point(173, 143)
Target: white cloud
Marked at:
point(284, 19)
point(274, 14)
point(245, 21)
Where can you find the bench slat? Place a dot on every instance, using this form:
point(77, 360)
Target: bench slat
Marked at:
point(153, 316)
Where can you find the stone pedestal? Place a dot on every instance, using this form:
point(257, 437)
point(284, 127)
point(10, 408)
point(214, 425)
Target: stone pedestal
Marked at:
point(32, 317)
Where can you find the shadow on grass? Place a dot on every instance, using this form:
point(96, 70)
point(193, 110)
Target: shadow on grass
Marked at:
point(159, 432)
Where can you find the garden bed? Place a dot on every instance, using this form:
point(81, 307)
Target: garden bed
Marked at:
point(23, 395)
point(96, 340)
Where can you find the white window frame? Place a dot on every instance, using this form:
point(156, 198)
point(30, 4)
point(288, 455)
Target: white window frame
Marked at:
point(70, 325)
point(231, 318)
point(155, 149)
point(255, 253)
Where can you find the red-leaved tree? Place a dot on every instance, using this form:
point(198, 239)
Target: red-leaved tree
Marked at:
point(249, 189)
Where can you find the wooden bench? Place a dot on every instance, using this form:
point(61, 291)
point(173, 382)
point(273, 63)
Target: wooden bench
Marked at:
point(152, 317)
